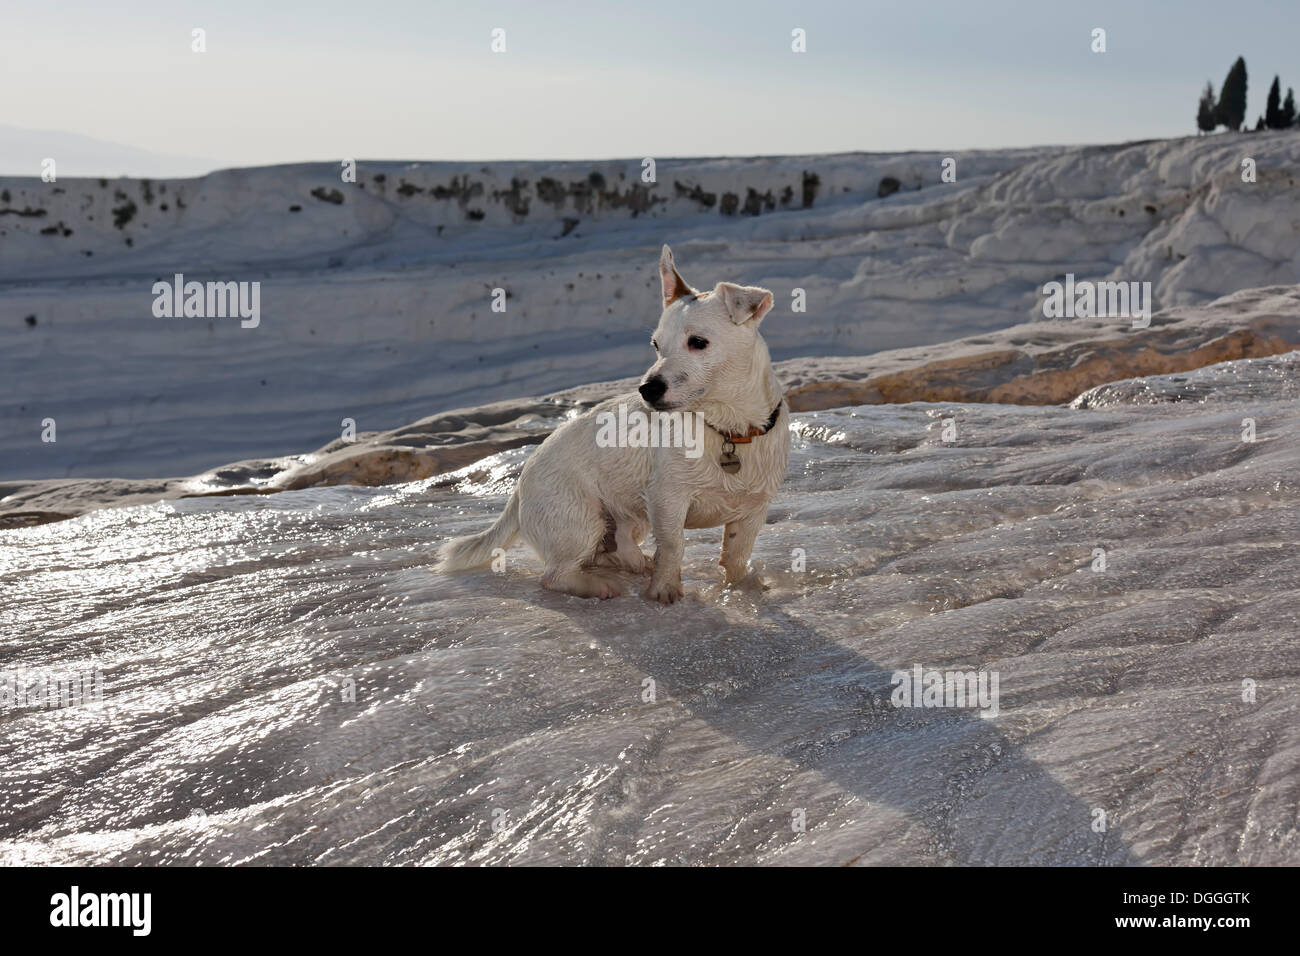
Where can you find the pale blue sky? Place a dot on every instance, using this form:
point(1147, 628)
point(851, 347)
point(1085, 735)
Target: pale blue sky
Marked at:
point(284, 82)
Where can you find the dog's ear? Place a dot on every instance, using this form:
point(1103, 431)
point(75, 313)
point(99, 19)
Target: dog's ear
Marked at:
point(744, 303)
point(674, 286)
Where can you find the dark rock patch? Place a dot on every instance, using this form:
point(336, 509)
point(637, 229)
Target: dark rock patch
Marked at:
point(513, 198)
point(124, 213)
point(696, 194)
point(811, 183)
point(755, 202)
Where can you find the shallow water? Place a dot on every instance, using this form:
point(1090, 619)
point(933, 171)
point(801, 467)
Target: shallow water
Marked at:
point(286, 681)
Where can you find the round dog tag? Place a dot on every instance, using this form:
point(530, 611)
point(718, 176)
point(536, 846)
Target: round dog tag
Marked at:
point(729, 462)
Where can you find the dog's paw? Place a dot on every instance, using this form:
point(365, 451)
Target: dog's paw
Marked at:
point(665, 592)
point(745, 581)
point(585, 583)
point(604, 589)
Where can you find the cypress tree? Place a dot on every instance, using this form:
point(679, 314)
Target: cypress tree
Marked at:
point(1231, 110)
point(1273, 109)
point(1205, 110)
point(1288, 109)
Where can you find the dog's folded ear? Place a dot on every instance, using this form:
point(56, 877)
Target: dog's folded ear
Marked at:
point(674, 285)
point(744, 303)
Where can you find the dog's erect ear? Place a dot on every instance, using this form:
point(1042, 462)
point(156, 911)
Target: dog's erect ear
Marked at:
point(744, 303)
point(674, 285)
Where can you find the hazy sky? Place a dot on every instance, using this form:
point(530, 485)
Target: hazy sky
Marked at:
point(390, 79)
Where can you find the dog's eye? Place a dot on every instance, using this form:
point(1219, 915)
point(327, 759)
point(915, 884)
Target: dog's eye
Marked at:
point(697, 343)
point(655, 344)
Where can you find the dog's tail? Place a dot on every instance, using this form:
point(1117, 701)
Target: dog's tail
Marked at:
point(475, 550)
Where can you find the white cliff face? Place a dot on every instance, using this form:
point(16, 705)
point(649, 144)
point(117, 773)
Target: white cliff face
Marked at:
point(285, 681)
point(387, 282)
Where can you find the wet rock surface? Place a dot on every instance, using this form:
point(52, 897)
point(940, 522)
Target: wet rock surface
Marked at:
point(286, 681)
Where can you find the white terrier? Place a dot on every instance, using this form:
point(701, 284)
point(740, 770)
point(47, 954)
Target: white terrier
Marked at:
point(584, 503)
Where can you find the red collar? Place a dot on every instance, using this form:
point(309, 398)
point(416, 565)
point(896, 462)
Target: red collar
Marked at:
point(755, 431)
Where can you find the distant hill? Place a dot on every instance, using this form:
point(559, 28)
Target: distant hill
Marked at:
point(22, 150)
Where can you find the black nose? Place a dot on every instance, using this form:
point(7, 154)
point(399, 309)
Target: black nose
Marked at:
point(653, 390)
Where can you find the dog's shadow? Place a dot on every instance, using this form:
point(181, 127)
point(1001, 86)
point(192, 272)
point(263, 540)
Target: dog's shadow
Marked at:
point(790, 693)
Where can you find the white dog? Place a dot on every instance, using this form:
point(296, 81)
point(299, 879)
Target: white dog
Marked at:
point(584, 503)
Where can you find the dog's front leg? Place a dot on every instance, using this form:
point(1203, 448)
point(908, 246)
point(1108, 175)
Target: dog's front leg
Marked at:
point(738, 542)
point(668, 521)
